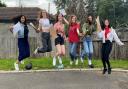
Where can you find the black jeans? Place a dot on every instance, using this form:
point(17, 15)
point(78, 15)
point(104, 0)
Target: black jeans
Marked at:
point(105, 52)
point(46, 43)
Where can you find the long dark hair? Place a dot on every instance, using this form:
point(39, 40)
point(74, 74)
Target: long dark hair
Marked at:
point(57, 17)
point(103, 23)
point(18, 19)
point(88, 21)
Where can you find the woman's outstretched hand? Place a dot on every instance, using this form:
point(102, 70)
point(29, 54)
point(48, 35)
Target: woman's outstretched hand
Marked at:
point(11, 27)
point(97, 20)
point(98, 24)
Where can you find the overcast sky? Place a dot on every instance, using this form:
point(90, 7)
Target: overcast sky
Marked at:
point(32, 3)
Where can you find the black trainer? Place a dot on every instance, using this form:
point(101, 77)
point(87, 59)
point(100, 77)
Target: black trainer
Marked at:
point(109, 70)
point(90, 66)
point(104, 71)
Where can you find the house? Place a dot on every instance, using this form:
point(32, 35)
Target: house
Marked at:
point(7, 13)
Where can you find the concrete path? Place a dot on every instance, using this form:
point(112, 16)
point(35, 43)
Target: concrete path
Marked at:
point(64, 80)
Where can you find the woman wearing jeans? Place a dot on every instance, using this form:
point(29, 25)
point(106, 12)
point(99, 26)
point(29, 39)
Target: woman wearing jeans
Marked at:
point(44, 28)
point(73, 36)
point(107, 34)
point(88, 29)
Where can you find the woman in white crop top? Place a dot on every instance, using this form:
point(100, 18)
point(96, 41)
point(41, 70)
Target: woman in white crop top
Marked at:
point(44, 28)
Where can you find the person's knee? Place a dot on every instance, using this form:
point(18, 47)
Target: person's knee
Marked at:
point(72, 53)
point(87, 53)
point(91, 51)
point(59, 53)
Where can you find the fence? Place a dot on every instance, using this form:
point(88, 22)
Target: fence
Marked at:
point(8, 48)
point(8, 44)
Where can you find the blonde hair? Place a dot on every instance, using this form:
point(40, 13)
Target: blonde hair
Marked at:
point(41, 12)
point(70, 19)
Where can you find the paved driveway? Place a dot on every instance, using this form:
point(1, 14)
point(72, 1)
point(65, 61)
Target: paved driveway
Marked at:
point(64, 80)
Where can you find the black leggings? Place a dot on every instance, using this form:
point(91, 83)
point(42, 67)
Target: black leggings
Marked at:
point(105, 52)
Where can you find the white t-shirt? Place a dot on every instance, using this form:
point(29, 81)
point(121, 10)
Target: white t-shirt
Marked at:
point(112, 35)
point(45, 23)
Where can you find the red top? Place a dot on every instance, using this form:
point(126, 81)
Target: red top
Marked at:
point(107, 30)
point(73, 35)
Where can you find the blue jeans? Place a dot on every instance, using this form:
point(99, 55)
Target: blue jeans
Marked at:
point(73, 51)
point(87, 48)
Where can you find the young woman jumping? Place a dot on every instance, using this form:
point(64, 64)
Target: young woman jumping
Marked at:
point(44, 28)
point(59, 41)
point(73, 37)
point(107, 34)
point(21, 29)
point(88, 28)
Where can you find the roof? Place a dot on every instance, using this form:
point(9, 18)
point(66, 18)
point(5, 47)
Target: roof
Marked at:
point(7, 13)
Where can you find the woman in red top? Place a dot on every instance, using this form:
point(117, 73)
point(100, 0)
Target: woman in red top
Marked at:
point(73, 36)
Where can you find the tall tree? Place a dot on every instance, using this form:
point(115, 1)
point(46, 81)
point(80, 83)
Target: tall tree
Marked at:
point(2, 4)
point(77, 7)
point(115, 10)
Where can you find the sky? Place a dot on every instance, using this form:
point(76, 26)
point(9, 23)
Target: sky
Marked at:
point(43, 4)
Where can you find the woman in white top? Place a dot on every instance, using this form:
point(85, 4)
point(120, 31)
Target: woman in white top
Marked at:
point(21, 30)
point(44, 28)
point(107, 34)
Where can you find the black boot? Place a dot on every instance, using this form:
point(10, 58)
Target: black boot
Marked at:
point(104, 71)
point(109, 70)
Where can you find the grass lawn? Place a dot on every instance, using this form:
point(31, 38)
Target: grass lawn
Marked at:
point(46, 63)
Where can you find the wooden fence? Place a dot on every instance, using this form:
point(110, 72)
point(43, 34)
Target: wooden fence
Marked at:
point(8, 44)
point(8, 48)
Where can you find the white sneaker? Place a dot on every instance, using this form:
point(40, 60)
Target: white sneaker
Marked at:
point(60, 60)
point(82, 61)
point(22, 62)
point(54, 61)
point(76, 63)
point(16, 66)
point(36, 50)
point(71, 62)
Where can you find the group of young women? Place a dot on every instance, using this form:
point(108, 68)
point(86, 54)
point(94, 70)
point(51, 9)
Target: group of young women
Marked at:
point(105, 32)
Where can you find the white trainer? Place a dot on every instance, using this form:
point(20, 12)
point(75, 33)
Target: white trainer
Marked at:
point(71, 62)
point(22, 62)
point(60, 60)
point(36, 50)
point(54, 61)
point(76, 63)
point(82, 61)
point(16, 66)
